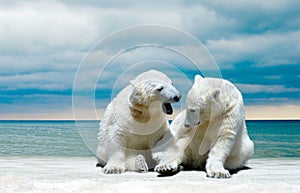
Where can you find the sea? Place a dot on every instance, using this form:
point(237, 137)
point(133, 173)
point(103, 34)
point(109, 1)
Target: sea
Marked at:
point(272, 138)
point(59, 156)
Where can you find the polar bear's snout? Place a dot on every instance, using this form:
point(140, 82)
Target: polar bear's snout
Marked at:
point(169, 94)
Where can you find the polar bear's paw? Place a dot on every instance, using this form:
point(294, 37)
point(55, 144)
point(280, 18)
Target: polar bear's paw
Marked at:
point(140, 164)
point(217, 172)
point(110, 169)
point(167, 168)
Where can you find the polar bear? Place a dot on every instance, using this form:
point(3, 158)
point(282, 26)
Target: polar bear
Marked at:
point(133, 123)
point(211, 133)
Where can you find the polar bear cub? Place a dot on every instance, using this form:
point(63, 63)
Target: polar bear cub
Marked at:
point(211, 133)
point(134, 121)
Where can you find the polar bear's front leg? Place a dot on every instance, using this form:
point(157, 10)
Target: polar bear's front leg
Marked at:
point(168, 159)
point(116, 156)
point(218, 154)
point(115, 164)
point(172, 157)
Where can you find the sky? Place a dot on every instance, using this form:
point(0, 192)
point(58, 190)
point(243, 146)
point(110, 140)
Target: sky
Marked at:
point(255, 44)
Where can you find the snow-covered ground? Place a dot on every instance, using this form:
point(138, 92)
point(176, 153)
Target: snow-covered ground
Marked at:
point(79, 174)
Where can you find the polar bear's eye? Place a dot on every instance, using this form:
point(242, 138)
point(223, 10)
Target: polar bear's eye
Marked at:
point(160, 88)
point(192, 110)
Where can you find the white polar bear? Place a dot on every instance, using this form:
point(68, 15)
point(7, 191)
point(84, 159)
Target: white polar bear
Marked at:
point(211, 133)
point(134, 121)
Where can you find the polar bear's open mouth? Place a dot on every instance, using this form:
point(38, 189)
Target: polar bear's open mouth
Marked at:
point(167, 108)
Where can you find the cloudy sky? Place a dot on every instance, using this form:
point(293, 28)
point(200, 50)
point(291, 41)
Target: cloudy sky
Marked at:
point(255, 43)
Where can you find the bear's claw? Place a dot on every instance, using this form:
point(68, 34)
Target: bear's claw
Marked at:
point(218, 174)
point(167, 168)
point(109, 169)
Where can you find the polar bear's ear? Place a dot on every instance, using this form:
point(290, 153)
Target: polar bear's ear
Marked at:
point(197, 79)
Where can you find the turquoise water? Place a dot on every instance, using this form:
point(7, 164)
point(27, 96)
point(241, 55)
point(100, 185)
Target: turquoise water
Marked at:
point(274, 139)
point(44, 138)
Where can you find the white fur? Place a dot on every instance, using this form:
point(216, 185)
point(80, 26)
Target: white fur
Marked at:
point(219, 141)
point(133, 123)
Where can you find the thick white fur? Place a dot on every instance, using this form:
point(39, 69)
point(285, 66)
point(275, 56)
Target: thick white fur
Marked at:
point(220, 140)
point(133, 123)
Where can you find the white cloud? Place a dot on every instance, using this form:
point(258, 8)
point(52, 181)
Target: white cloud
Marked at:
point(206, 23)
point(61, 61)
point(255, 88)
point(247, 5)
point(277, 77)
point(265, 50)
point(143, 58)
point(50, 81)
point(258, 16)
point(34, 35)
point(35, 27)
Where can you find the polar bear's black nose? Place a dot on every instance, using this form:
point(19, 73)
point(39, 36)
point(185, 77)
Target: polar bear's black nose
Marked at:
point(177, 98)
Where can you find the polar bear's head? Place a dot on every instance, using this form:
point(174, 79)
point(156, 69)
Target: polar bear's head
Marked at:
point(149, 91)
point(201, 102)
